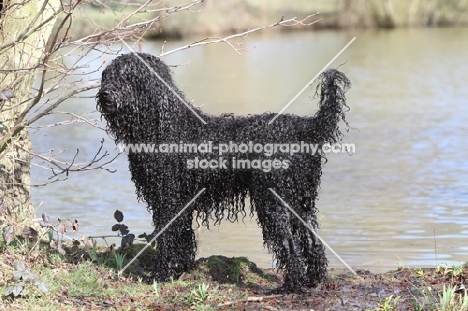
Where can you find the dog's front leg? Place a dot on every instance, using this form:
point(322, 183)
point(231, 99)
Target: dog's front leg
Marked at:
point(176, 246)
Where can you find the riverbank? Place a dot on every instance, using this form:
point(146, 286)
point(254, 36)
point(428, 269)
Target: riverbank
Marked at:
point(224, 17)
point(39, 278)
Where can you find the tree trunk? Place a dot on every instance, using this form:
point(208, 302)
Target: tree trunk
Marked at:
point(22, 51)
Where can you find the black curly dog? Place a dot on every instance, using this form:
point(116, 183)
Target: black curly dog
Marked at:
point(139, 109)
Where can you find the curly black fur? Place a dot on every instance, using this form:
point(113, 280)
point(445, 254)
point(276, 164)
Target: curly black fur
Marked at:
point(140, 109)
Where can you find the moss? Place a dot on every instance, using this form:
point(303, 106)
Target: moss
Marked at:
point(235, 270)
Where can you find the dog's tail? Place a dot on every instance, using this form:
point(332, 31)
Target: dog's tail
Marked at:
point(332, 87)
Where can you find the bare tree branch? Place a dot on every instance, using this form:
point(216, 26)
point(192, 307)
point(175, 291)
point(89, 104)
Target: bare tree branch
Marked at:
point(23, 123)
point(62, 168)
point(29, 30)
point(75, 119)
point(288, 23)
point(126, 31)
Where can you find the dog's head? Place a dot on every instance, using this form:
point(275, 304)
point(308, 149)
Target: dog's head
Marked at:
point(132, 93)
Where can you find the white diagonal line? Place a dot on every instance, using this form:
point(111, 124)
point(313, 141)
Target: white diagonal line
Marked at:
point(161, 231)
point(311, 81)
point(164, 82)
point(312, 230)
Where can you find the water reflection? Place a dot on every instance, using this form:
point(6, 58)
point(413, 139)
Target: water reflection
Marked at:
point(402, 198)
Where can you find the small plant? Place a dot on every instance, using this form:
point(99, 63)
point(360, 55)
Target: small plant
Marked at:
point(122, 230)
point(389, 304)
point(156, 288)
point(427, 303)
point(93, 251)
point(200, 294)
point(452, 271)
point(30, 238)
point(22, 241)
point(457, 270)
point(21, 277)
point(60, 231)
point(119, 259)
point(419, 272)
point(417, 306)
point(447, 299)
point(449, 302)
point(148, 238)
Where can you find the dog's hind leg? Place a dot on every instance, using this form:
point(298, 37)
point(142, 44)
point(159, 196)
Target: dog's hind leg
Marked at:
point(277, 228)
point(311, 246)
point(304, 192)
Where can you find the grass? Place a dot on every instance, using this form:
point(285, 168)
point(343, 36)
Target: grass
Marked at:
point(87, 279)
point(450, 298)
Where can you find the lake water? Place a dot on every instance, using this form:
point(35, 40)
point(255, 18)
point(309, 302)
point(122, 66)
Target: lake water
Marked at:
point(402, 198)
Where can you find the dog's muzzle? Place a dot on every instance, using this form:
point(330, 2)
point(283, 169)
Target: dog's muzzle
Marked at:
point(106, 102)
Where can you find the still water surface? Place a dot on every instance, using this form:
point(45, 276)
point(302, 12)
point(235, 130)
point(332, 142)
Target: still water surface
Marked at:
point(402, 198)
